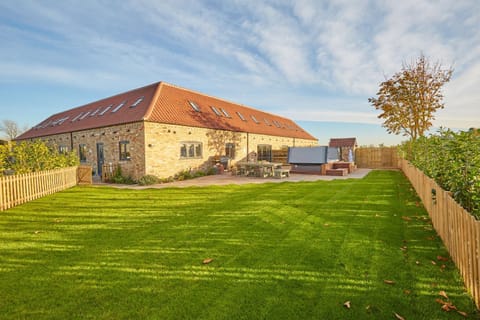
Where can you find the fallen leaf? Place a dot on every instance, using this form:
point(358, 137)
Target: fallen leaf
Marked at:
point(207, 261)
point(407, 292)
point(389, 281)
point(399, 317)
point(440, 258)
point(417, 262)
point(431, 238)
point(443, 294)
point(462, 313)
point(404, 248)
point(347, 304)
point(326, 225)
point(434, 263)
point(406, 218)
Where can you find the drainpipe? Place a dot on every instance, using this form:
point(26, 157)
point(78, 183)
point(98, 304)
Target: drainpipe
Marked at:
point(248, 147)
point(71, 141)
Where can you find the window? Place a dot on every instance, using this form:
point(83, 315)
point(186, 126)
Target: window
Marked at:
point(105, 110)
point(267, 122)
point(75, 119)
point(136, 103)
point(264, 152)
point(230, 150)
point(62, 149)
point(275, 122)
point(119, 106)
point(82, 152)
point(218, 113)
point(254, 119)
point(191, 150)
point(194, 106)
point(225, 113)
point(95, 112)
point(241, 116)
point(85, 115)
point(124, 152)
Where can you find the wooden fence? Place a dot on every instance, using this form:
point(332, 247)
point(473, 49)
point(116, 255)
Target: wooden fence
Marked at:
point(18, 189)
point(377, 158)
point(458, 229)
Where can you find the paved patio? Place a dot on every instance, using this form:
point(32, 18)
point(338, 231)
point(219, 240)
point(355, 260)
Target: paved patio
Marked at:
point(227, 179)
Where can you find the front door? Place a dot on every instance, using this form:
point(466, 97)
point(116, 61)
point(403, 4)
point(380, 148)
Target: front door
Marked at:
point(100, 158)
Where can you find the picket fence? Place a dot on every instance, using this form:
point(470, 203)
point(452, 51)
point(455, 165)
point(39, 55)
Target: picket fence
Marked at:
point(459, 230)
point(18, 189)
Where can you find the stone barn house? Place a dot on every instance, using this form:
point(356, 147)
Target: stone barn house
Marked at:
point(162, 129)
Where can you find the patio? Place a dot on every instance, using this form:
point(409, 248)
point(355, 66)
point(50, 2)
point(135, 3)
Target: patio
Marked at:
point(227, 179)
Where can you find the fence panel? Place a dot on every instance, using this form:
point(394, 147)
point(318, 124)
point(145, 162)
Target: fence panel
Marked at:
point(377, 158)
point(457, 228)
point(18, 189)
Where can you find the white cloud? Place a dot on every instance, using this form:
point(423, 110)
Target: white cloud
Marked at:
point(305, 57)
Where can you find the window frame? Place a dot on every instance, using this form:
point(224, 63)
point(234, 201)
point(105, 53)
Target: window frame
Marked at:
point(191, 150)
point(264, 152)
point(124, 152)
point(82, 152)
point(230, 150)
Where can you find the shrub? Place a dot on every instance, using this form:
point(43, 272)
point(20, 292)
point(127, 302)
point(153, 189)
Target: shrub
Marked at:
point(26, 157)
point(452, 159)
point(148, 179)
point(119, 178)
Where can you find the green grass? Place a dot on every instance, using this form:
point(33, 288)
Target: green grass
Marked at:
point(281, 251)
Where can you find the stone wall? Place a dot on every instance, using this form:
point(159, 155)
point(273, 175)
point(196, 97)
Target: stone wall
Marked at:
point(110, 137)
point(163, 142)
point(154, 148)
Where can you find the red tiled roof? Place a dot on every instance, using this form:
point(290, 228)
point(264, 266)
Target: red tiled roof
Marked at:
point(165, 103)
point(342, 142)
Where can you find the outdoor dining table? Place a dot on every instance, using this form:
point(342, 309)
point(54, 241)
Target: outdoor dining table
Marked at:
point(262, 169)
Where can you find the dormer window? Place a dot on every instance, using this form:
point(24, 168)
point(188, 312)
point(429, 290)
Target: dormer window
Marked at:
point(194, 106)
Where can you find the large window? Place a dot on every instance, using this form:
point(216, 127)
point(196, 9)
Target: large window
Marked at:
point(124, 150)
point(190, 150)
point(230, 150)
point(82, 152)
point(264, 152)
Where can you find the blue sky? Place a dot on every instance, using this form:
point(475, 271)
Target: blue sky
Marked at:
point(314, 61)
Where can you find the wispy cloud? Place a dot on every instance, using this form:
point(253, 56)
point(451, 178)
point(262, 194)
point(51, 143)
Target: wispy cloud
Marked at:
point(302, 58)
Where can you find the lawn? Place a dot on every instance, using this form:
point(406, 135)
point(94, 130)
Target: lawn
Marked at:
point(280, 251)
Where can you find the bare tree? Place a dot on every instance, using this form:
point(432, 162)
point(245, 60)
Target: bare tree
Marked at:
point(10, 128)
point(410, 98)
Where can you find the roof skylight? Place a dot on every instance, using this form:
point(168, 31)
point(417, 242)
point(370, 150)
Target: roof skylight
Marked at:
point(194, 106)
point(267, 122)
point(85, 115)
point(105, 110)
point(95, 112)
point(119, 106)
point(137, 102)
point(75, 119)
point(241, 116)
point(225, 113)
point(218, 113)
point(275, 122)
point(254, 119)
